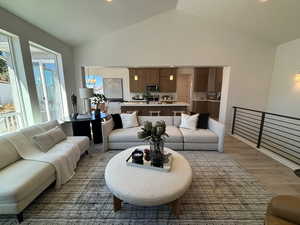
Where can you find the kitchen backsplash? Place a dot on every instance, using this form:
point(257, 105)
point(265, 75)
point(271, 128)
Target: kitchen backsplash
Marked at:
point(199, 96)
point(173, 94)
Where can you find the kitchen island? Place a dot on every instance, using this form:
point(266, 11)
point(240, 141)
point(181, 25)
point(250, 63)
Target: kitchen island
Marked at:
point(164, 109)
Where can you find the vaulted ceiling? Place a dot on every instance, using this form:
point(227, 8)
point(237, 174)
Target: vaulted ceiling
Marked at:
point(78, 21)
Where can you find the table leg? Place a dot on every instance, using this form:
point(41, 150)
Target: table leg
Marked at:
point(175, 207)
point(117, 203)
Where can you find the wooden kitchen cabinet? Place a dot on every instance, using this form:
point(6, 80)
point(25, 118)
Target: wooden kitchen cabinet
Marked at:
point(145, 76)
point(135, 85)
point(213, 109)
point(201, 79)
point(219, 79)
point(200, 107)
point(165, 82)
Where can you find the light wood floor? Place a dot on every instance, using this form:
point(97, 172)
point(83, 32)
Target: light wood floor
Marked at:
point(276, 177)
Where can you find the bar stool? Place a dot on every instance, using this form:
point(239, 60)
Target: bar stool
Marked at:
point(178, 113)
point(154, 113)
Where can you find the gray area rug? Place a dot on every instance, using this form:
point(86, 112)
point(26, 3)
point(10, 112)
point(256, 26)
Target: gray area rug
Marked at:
point(222, 193)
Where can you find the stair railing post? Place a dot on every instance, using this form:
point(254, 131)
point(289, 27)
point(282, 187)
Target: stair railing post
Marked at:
point(262, 121)
point(233, 121)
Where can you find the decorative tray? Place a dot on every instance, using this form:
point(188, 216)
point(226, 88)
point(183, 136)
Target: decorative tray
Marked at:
point(147, 164)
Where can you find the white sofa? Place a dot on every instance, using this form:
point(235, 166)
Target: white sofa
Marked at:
point(179, 138)
point(21, 181)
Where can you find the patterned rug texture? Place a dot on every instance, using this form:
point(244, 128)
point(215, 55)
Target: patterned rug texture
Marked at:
point(222, 193)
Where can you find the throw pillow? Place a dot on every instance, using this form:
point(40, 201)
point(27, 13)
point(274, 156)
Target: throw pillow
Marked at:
point(129, 120)
point(57, 134)
point(117, 121)
point(189, 122)
point(203, 121)
point(44, 141)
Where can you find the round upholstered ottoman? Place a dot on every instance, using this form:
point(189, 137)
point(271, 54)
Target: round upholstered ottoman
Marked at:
point(146, 187)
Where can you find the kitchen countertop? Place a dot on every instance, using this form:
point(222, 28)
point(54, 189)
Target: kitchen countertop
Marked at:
point(154, 104)
point(205, 100)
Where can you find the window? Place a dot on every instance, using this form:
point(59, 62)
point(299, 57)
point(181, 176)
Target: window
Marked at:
point(48, 82)
point(95, 82)
point(12, 116)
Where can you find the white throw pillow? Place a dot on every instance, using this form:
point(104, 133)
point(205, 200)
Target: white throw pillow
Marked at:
point(129, 120)
point(44, 141)
point(189, 122)
point(57, 134)
point(48, 139)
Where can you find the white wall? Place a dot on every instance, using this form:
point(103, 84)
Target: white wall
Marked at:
point(175, 38)
point(284, 97)
point(27, 32)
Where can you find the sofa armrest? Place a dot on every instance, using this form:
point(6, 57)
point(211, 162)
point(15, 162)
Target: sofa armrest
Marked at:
point(107, 127)
point(286, 207)
point(218, 129)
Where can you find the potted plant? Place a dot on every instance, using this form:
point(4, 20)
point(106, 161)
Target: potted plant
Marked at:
point(155, 135)
point(99, 100)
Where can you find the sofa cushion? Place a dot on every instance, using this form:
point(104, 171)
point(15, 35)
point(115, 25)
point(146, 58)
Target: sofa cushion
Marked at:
point(49, 125)
point(29, 132)
point(125, 135)
point(199, 136)
point(153, 119)
point(82, 142)
point(30, 176)
point(175, 135)
point(8, 153)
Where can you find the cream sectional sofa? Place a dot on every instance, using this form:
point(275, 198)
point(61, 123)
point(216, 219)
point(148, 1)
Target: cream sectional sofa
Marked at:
point(21, 181)
point(179, 138)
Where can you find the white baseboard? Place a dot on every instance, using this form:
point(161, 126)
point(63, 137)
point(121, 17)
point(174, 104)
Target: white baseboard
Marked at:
point(272, 155)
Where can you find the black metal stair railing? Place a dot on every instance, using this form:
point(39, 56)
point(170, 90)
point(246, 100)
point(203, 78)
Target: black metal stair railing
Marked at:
point(277, 133)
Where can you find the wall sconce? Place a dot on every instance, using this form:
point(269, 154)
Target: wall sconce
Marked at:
point(297, 77)
point(171, 77)
point(136, 77)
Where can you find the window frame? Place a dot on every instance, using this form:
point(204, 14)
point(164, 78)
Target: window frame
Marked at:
point(61, 78)
point(12, 39)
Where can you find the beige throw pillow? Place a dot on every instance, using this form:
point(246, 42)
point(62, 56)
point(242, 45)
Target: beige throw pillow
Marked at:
point(57, 134)
point(45, 141)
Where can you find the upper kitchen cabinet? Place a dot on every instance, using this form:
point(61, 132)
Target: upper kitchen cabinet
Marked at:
point(215, 79)
point(141, 77)
point(135, 81)
point(167, 79)
point(151, 76)
point(201, 79)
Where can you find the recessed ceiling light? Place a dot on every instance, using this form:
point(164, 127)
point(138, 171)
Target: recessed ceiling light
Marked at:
point(108, 0)
point(263, 0)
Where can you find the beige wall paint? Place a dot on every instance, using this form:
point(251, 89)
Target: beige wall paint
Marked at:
point(175, 38)
point(284, 97)
point(27, 32)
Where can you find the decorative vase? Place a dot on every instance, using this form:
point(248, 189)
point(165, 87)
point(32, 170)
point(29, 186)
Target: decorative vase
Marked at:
point(157, 153)
point(97, 114)
point(101, 106)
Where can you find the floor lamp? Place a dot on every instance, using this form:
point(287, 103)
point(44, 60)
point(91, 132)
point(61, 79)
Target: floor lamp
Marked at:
point(86, 94)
